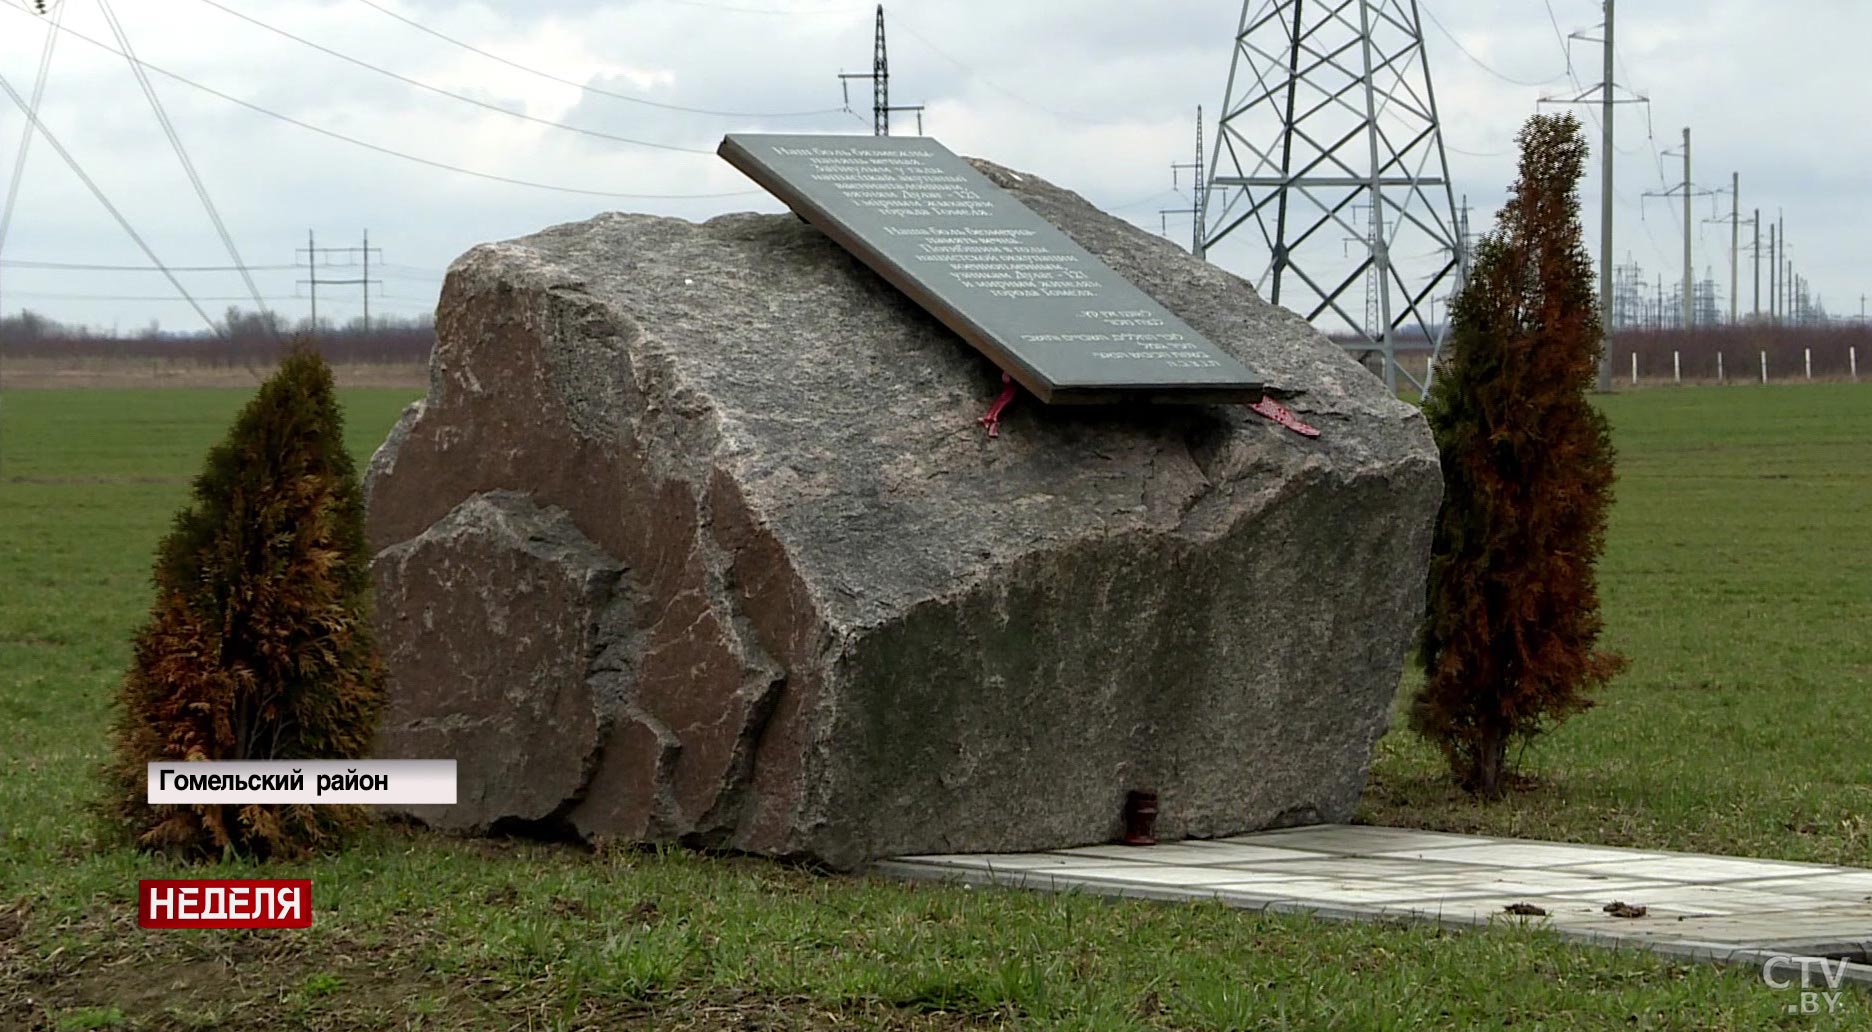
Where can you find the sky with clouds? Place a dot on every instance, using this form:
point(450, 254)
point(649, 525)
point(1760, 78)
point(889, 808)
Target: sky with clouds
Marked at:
point(1096, 95)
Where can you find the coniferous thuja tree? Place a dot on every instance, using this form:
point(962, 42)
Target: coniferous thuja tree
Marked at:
point(259, 644)
point(1510, 641)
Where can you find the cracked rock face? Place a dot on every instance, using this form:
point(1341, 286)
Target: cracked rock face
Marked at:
point(695, 538)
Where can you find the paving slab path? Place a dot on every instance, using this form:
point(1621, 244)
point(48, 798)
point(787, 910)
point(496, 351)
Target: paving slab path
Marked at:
point(1708, 908)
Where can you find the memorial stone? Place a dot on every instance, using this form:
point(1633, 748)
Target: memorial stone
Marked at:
point(693, 540)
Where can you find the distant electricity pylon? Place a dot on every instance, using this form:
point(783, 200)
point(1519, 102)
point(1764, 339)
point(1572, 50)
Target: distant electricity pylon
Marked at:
point(1194, 211)
point(313, 253)
point(1688, 190)
point(1330, 106)
point(880, 86)
point(1605, 94)
point(1735, 222)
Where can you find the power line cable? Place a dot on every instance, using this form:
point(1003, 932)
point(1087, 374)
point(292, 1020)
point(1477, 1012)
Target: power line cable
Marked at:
point(1630, 83)
point(39, 295)
point(1657, 249)
point(406, 273)
point(26, 135)
point(97, 192)
point(427, 303)
point(1165, 192)
point(1565, 51)
point(1651, 140)
point(997, 87)
point(40, 81)
point(432, 163)
point(805, 12)
point(1484, 65)
point(175, 141)
point(465, 99)
point(1477, 154)
point(396, 304)
point(390, 269)
point(420, 27)
point(24, 263)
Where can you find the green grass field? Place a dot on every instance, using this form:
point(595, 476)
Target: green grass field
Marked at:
point(1739, 581)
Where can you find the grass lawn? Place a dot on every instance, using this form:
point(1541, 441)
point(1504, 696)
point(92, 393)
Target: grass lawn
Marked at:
point(1739, 582)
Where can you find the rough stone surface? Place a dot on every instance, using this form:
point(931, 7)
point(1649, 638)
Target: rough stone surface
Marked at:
point(696, 538)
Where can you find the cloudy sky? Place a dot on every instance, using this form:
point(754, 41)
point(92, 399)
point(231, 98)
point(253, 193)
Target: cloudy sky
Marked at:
point(1096, 95)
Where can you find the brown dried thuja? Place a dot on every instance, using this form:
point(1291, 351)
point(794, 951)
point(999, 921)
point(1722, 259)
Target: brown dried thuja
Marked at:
point(258, 645)
point(1510, 641)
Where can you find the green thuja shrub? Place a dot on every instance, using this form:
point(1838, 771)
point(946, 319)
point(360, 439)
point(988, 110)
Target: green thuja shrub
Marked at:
point(1509, 644)
point(259, 644)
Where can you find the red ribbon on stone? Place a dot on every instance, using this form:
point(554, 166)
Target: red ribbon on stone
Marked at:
point(992, 420)
point(1279, 413)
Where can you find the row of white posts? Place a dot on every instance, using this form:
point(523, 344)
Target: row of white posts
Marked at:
point(1852, 361)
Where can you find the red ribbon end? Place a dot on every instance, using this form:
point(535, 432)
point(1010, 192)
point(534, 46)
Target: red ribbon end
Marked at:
point(992, 419)
point(1279, 413)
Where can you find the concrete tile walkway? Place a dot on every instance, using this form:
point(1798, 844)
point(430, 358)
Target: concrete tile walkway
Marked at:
point(1722, 909)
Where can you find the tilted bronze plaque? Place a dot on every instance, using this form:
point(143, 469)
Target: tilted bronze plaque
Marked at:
point(1051, 315)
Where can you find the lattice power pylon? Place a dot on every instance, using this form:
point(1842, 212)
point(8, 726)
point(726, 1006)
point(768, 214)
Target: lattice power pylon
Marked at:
point(1329, 109)
point(880, 86)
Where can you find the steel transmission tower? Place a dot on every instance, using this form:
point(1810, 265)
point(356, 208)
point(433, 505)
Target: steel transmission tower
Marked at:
point(1330, 108)
point(880, 85)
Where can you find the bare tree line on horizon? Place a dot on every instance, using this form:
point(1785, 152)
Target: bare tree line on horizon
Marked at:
point(246, 337)
point(405, 340)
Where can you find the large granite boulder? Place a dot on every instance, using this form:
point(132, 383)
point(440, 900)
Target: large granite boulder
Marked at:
point(696, 538)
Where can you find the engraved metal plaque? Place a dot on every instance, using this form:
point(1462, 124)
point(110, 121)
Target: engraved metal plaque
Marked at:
point(1044, 309)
